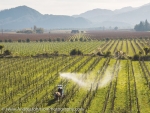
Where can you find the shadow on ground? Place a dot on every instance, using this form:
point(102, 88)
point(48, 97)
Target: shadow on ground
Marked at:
point(50, 102)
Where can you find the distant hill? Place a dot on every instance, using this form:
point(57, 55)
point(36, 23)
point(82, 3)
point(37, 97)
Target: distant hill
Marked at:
point(96, 15)
point(128, 16)
point(123, 10)
point(25, 17)
point(21, 11)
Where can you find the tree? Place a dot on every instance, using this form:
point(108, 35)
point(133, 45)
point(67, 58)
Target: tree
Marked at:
point(1, 48)
point(58, 39)
point(41, 40)
point(81, 39)
point(107, 39)
point(136, 57)
point(39, 30)
point(71, 40)
point(49, 40)
point(116, 28)
point(73, 52)
point(146, 25)
point(147, 50)
point(27, 40)
point(76, 52)
point(142, 26)
point(19, 40)
point(75, 31)
point(7, 52)
point(25, 31)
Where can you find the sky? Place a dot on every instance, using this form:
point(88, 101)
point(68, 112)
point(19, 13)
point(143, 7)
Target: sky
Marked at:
point(70, 7)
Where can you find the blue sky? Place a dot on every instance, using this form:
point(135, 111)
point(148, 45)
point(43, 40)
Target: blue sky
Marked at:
point(70, 7)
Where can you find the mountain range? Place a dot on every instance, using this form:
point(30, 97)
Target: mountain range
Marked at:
point(25, 17)
point(125, 17)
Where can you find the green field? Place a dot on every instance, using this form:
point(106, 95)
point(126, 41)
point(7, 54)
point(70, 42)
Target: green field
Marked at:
point(33, 48)
point(112, 85)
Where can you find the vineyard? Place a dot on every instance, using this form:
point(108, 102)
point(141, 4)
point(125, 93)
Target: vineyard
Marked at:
point(105, 84)
point(129, 46)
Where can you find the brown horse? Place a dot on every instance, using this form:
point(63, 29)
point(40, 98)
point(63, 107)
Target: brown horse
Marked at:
point(57, 95)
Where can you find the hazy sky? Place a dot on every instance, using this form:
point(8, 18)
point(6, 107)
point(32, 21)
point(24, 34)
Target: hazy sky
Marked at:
point(70, 7)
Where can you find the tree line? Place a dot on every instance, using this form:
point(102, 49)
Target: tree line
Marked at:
point(30, 31)
point(142, 26)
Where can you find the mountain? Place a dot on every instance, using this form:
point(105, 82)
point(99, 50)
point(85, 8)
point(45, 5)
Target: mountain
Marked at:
point(18, 12)
point(125, 17)
point(135, 16)
point(24, 17)
point(123, 10)
point(96, 15)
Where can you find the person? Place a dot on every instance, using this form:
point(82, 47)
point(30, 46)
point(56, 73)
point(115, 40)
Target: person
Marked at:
point(60, 90)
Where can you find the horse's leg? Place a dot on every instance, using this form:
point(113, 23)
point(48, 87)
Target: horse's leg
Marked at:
point(58, 99)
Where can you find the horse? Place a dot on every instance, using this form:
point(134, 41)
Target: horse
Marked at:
point(57, 95)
